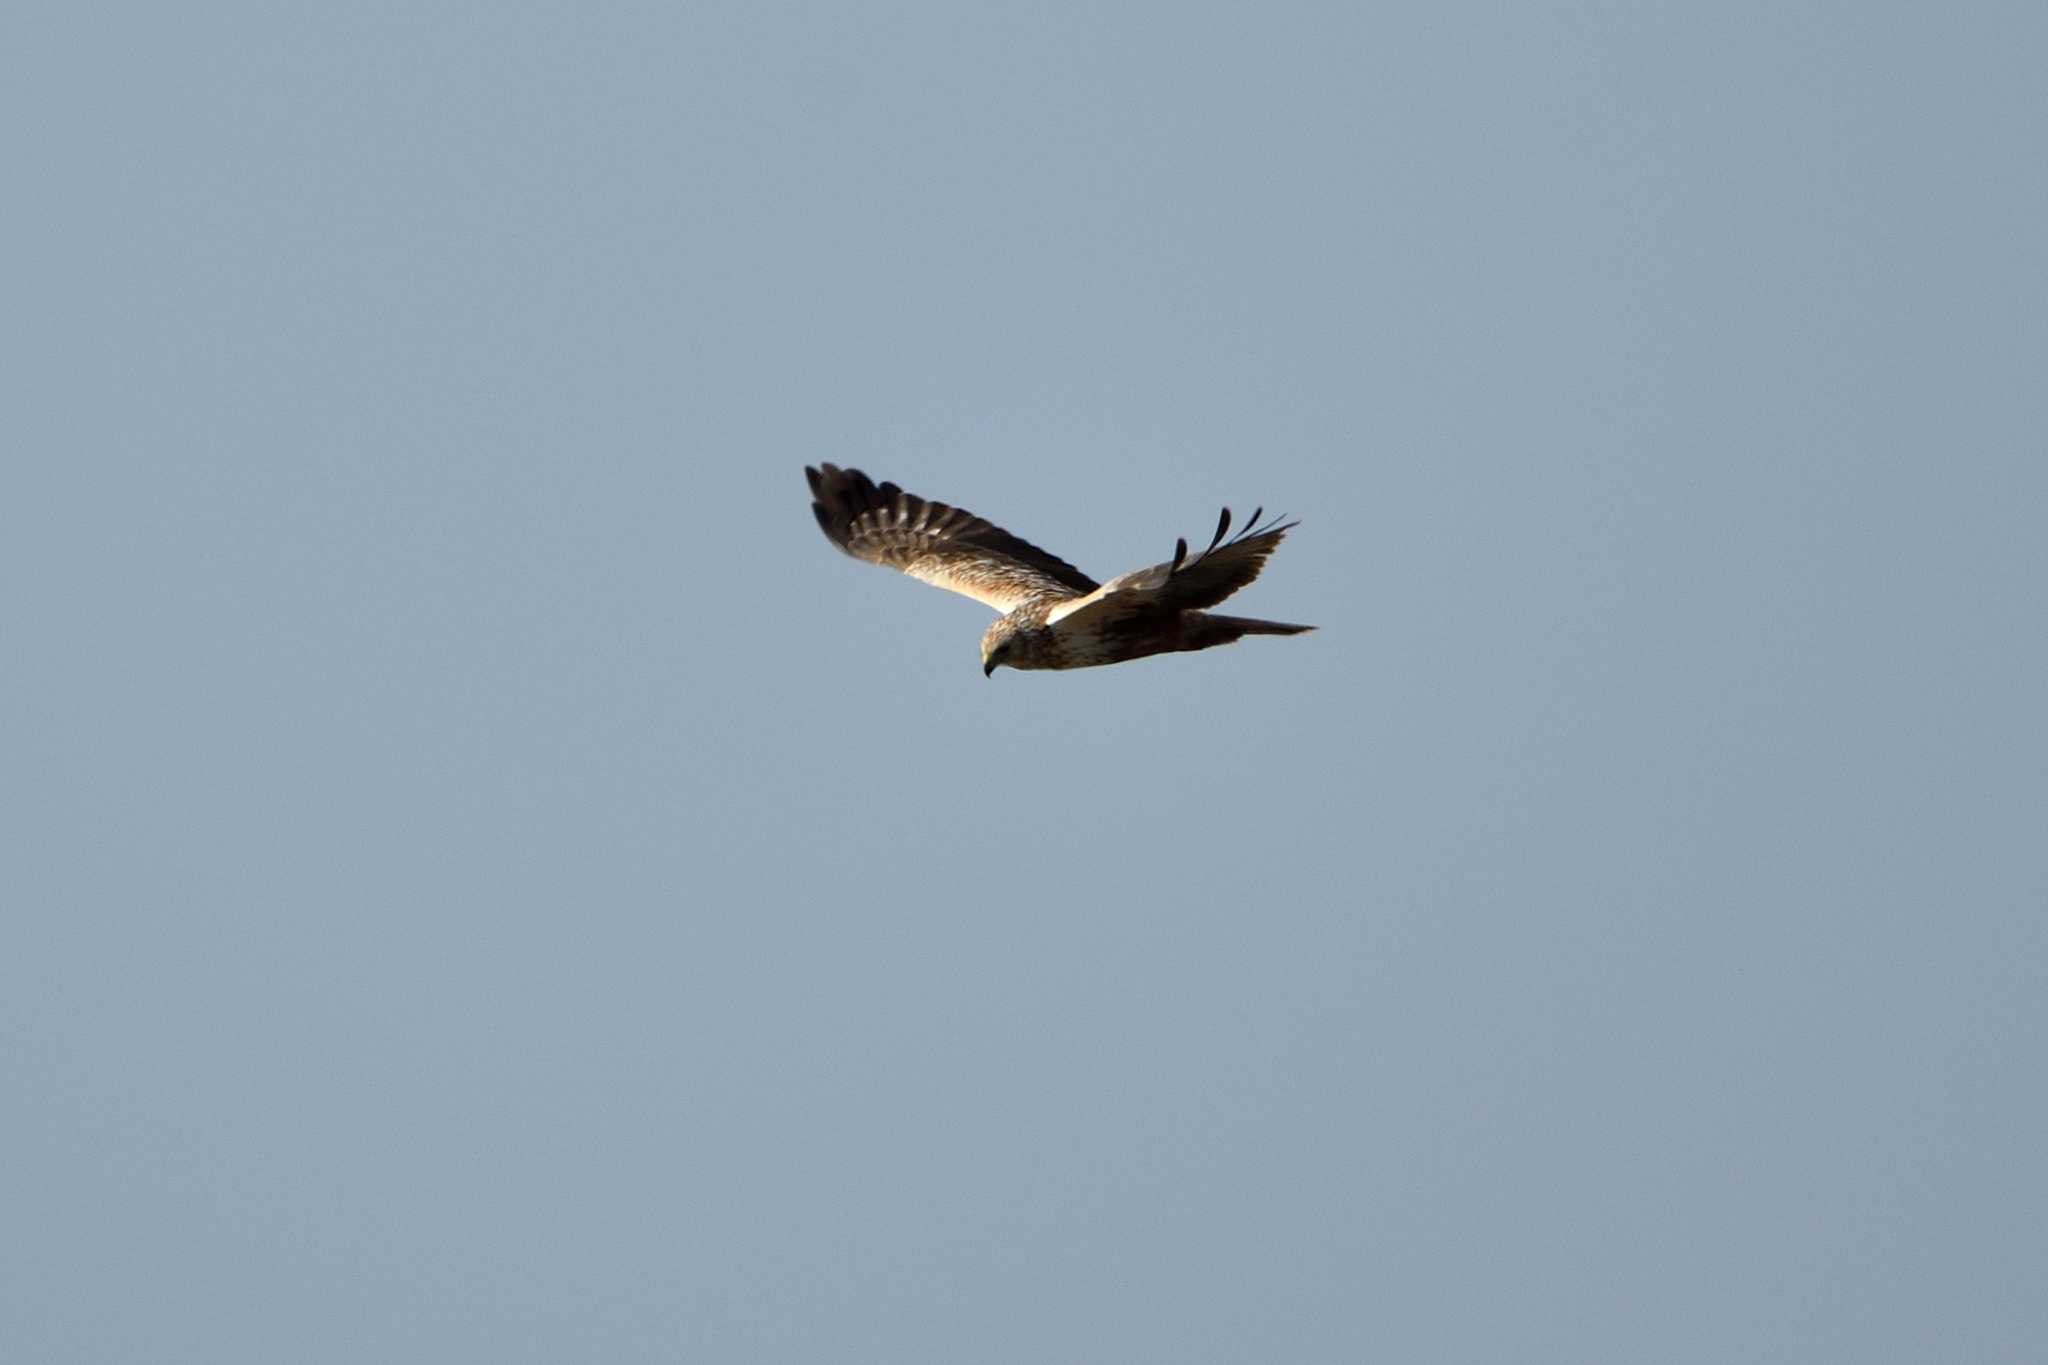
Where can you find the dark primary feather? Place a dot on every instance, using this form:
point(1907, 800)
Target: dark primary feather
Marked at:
point(1223, 525)
point(949, 547)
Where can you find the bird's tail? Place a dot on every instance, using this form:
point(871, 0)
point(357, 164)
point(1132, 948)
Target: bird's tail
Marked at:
point(1221, 630)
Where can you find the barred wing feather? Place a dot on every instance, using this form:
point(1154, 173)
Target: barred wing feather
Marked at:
point(948, 547)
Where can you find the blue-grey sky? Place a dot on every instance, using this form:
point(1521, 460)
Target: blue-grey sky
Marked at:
point(483, 880)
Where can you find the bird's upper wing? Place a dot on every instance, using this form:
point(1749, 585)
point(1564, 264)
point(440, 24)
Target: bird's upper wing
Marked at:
point(947, 547)
point(1182, 584)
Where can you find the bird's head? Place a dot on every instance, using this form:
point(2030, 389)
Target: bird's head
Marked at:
point(998, 646)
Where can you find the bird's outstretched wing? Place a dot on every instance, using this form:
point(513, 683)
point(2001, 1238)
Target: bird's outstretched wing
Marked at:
point(1182, 584)
point(947, 547)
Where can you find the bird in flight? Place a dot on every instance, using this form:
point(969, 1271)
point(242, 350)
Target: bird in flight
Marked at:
point(1054, 616)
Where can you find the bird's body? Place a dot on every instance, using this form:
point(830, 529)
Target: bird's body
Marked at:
point(1054, 616)
point(1028, 638)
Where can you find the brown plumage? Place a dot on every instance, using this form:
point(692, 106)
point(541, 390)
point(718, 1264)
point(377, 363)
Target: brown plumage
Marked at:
point(1054, 616)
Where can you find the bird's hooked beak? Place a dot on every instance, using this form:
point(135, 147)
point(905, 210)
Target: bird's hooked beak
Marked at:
point(988, 668)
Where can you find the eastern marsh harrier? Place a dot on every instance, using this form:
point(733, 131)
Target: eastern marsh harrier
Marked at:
point(1054, 616)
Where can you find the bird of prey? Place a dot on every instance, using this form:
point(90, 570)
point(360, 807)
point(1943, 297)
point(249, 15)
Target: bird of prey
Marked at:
point(1054, 616)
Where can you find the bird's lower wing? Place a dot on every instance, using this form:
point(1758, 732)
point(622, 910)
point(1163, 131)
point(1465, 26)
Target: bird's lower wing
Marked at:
point(1181, 584)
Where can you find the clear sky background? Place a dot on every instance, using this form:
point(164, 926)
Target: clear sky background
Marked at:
point(483, 880)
